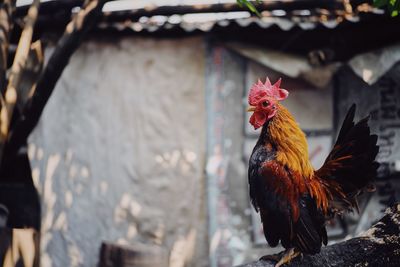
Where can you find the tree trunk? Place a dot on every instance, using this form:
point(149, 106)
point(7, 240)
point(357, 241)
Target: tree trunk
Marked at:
point(74, 33)
point(379, 246)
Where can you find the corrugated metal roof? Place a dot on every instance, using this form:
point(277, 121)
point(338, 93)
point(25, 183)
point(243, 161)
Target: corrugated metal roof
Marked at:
point(206, 15)
point(205, 22)
point(325, 30)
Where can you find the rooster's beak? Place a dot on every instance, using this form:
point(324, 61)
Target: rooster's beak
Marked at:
point(251, 109)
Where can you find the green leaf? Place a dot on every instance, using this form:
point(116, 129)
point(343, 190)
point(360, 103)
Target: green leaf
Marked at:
point(396, 8)
point(393, 6)
point(249, 6)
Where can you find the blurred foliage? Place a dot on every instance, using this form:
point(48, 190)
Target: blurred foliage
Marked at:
point(393, 6)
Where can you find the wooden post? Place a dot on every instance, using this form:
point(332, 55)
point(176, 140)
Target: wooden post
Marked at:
point(137, 255)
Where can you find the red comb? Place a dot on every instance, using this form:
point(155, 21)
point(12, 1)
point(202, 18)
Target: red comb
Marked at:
point(260, 90)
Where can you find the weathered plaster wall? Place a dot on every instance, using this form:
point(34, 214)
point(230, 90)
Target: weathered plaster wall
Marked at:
point(119, 152)
point(382, 101)
point(226, 170)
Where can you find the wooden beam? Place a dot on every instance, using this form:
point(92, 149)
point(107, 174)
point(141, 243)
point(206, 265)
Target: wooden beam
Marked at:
point(139, 255)
point(288, 6)
point(51, 7)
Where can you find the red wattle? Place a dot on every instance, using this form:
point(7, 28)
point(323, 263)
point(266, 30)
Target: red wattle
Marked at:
point(258, 119)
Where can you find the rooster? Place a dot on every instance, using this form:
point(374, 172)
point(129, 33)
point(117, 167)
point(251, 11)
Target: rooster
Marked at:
point(293, 199)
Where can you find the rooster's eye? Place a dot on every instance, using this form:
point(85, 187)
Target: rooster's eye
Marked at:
point(265, 104)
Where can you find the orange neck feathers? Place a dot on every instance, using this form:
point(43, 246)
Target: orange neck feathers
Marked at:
point(290, 142)
point(292, 151)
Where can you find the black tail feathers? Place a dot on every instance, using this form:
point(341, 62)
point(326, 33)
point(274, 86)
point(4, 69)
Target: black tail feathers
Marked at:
point(351, 163)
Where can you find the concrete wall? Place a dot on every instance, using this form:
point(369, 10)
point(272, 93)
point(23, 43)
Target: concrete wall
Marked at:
point(226, 170)
point(119, 152)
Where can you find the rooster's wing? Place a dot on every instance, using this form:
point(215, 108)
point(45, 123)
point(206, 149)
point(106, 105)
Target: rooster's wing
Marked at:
point(272, 192)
